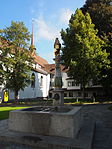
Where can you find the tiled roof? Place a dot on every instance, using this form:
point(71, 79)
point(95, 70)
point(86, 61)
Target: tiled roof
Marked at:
point(50, 68)
point(45, 66)
point(39, 60)
point(40, 71)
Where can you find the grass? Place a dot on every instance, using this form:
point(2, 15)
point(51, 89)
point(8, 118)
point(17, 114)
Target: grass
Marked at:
point(7, 107)
point(4, 111)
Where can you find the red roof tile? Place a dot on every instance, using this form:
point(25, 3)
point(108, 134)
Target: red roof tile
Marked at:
point(40, 71)
point(50, 68)
point(39, 60)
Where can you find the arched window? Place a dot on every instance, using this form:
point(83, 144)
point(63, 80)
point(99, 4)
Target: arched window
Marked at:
point(41, 81)
point(33, 80)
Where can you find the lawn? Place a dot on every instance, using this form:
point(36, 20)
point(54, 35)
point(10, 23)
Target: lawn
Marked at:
point(4, 111)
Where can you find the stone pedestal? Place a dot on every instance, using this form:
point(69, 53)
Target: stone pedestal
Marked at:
point(58, 97)
point(58, 93)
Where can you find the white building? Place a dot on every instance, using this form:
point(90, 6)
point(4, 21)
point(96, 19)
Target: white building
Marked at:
point(40, 86)
point(44, 78)
point(37, 88)
point(72, 89)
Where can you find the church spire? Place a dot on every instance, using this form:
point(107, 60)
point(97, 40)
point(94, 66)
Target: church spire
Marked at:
point(32, 38)
point(32, 46)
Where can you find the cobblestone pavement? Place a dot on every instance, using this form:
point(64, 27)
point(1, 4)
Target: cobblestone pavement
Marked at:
point(15, 146)
point(103, 131)
point(4, 128)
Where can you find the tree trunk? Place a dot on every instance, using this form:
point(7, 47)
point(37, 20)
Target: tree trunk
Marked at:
point(16, 97)
point(83, 91)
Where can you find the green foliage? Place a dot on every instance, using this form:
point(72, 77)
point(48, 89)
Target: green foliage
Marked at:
point(17, 73)
point(82, 51)
point(15, 58)
point(4, 49)
point(101, 14)
point(17, 34)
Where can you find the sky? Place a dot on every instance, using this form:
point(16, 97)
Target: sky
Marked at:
point(49, 17)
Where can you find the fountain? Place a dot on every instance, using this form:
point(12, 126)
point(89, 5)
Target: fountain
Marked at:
point(57, 120)
point(58, 93)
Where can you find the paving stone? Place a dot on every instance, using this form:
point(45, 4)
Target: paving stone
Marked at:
point(103, 131)
point(5, 145)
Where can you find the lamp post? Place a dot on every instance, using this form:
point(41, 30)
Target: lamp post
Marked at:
point(58, 97)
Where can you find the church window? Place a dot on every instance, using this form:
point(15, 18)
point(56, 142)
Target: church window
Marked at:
point(33, 81)
point(41, 81)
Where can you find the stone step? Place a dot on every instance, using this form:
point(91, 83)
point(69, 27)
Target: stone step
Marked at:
point(103, 137)
point(83, 140)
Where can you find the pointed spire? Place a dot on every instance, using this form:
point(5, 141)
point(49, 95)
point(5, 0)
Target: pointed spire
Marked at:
point(32, 47)
point(32, 38)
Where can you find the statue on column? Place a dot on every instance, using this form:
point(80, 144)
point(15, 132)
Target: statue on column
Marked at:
point(58, 91)
point(57, 47)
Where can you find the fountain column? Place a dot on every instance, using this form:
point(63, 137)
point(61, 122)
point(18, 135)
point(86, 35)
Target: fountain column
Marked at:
point(58, 92)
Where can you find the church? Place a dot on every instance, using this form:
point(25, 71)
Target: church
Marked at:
point(39, 86)
point(43, 83)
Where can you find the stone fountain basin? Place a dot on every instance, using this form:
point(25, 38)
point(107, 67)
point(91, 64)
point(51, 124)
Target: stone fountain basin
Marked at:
point(51, 121)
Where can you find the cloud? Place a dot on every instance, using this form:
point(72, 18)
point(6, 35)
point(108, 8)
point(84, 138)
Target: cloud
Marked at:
point(49, 29)
point(65, 15)
point(45, 30)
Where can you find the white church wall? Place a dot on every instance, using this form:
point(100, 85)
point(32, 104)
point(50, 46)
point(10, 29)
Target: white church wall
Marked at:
point(47, 84)
point(40, 90)
point(1, 93)
point(44, 81)
point(64, 77)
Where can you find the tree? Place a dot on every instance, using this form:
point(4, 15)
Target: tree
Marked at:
point(82, 51)
point(3, 54)
point(16, 58)
point(101, 14)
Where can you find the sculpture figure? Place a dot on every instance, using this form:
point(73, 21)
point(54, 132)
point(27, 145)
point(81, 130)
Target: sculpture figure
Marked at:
point(57, 47)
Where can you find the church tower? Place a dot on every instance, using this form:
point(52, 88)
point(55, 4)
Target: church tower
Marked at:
point(32, 37)
point(32, 46)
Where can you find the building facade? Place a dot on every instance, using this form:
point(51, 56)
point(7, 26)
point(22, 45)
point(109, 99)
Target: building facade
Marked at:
point(39, 87)
point(42, 85)
point(71, 88)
